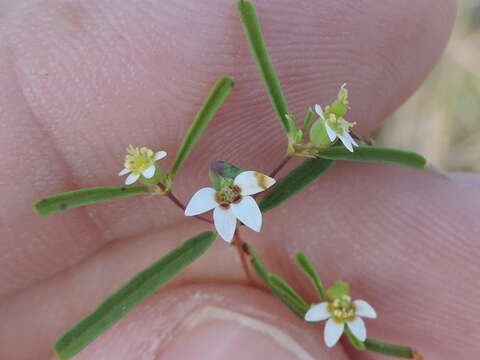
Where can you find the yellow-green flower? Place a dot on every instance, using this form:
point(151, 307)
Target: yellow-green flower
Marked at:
point(337, 127)
point(338, 313)
point(140, 161)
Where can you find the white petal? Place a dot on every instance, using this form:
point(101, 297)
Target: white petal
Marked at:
point(317, 312)
point(124, 172)
point(248, 212)
point(333, 332)
point(203, 200)
point(351, 140)
point(148, 174)
point(346, 140)
point(357, 326)
point(364, 309)
point(252, 182)
point(131, 179)
point(225, 223)
point(319, 110)
point(160, 155)
point(332, 135)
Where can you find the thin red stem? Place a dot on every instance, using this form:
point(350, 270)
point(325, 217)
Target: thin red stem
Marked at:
point(243, 256)
point(280, 166)
point(177, 202)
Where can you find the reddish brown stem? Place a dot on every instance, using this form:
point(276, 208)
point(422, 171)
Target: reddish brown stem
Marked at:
point(177, 202)
point(243, 256)
point(280, 166)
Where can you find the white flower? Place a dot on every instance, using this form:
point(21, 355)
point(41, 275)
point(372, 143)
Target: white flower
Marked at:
point(231, 203)
point(340, 312)
point(337, 127)
point(140, 161)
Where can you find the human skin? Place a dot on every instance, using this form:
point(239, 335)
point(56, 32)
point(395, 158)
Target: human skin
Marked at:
point(82, 80)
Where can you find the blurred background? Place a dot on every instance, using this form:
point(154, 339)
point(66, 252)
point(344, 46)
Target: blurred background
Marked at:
point(442, 120)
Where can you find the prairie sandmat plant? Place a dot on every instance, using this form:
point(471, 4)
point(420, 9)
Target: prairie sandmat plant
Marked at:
point(325, 137)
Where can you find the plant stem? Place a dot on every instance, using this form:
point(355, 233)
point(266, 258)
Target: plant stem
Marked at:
point(242, 253)
point(280, 166)
point(181, 205)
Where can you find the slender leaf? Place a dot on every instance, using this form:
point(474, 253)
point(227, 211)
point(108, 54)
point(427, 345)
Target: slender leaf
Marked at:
point(258, 264)
point(353, 339)
point(253, 30)
point(310, 270)
point(217, 96)
point(302, 176)
point(276, 288)
point(389, 349)
point(291, 298)
point(308, 120)
point(82, 197)
point(375, 154)
point(132, 294)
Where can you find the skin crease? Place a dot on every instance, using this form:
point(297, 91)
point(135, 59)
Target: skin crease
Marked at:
point(82, 80)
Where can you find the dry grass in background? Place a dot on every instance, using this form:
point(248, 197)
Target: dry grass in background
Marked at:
point(442, 120)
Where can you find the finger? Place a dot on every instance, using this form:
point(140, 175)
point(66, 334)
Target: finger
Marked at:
point(466, 179)
point(399, 237)
point(87, 79)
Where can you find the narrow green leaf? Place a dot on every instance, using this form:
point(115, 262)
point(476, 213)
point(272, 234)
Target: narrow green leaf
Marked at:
point(289, 296)
point(131, 294)
point(302, 176)
point(258, 264)
point(275, 288)
point(375, 154)
point(308, 120)
point(253, 30)
point(310, 270)
point(337, 290)
point(82, 197)
point(389, 349)
point(217, 96)
point(353, 340)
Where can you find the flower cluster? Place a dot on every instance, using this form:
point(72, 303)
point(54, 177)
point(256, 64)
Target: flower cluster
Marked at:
point(331, 124)
point(231, 202)
point(339, 313)
point(140, 162)
point(337, 127)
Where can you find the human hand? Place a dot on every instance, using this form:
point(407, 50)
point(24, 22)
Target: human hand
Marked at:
point(84, 79)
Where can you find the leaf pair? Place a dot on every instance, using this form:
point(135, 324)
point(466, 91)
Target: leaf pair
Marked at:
point(83, 197)
point(294, 301)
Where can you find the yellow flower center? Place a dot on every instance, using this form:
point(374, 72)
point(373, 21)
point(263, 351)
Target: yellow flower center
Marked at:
point(228, 195)
point(139, 159)
point(338, 124)
point(342, 309)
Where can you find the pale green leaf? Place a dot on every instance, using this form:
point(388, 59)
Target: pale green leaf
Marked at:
point(253, 30)
point(299, 307)
point(288, 295)
point(218, 94)
point(308, 120)
point(374, 154)
point(132, 294)
point(82, 197)
point(310, 270)
point(302, 176)
point(400, 351)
